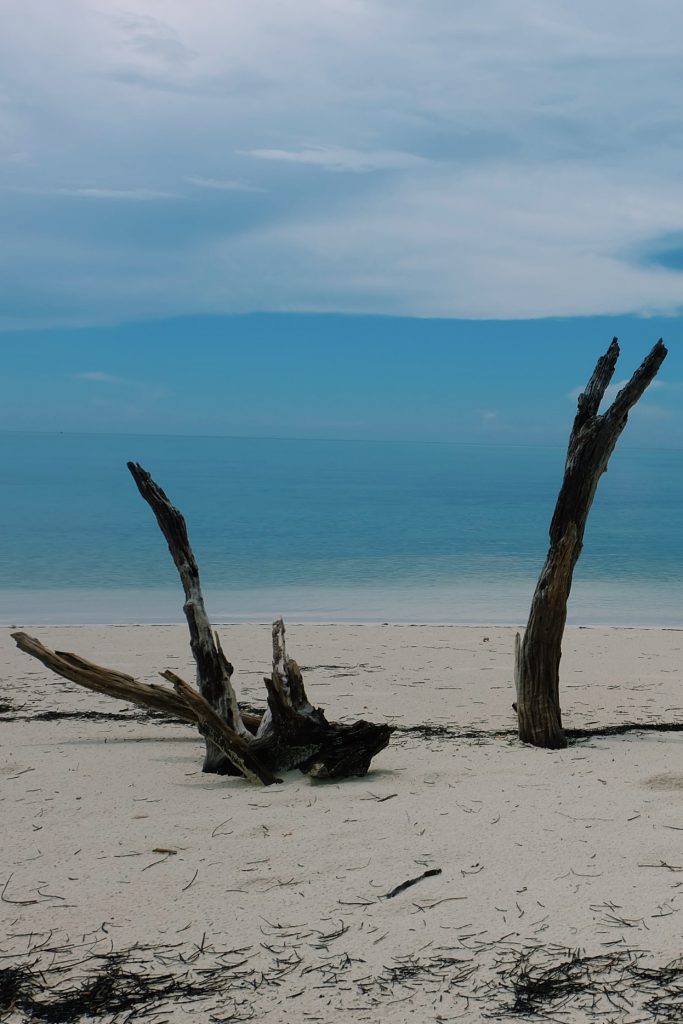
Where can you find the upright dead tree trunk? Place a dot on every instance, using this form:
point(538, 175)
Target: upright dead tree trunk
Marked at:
point(591, 442)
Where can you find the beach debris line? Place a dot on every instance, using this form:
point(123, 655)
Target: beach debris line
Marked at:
point(480, 978)
point(591, 442)
point(290, 734)
point(96, 984)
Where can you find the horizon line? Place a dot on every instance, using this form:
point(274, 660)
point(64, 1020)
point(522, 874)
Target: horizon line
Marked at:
point(318, 440)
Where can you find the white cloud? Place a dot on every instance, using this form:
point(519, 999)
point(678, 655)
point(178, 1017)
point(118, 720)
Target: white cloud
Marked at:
point(611, 392)
point(646, 409)
point(16, 157)
point(227, 185)
point(126, 194)
point(502, 242)
point(652, 411)
point(534, 152)
point(336, 158)
point(98, 375)
point(668, 386)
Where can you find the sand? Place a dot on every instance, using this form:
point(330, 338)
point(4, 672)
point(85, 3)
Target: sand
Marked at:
point(580, 848)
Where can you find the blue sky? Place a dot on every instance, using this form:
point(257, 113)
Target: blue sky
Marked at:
point(404, 194)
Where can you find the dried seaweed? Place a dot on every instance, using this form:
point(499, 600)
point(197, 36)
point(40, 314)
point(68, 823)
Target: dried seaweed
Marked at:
point(92, 716)
point(17, 986)
point(430, 731)
point(542, 983)
point(622, 729)
point(122, 982)
point(479, 979)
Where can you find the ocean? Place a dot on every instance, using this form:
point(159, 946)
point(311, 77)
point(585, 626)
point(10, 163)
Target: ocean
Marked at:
point(328, 531)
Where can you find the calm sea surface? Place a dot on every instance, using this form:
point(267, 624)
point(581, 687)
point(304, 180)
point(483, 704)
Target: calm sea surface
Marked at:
point(327, 531)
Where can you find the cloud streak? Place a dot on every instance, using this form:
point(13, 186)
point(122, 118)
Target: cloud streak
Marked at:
point(95, 192)
point(223, 185)
point(336, 158)
point(99, 376)
point(135, 195)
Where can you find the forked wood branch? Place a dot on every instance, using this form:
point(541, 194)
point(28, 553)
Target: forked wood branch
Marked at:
point(290, 734)
point(591, 442)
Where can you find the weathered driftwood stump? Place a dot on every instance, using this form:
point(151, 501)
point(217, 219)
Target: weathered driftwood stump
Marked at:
point(591, 442)
point(291, 733)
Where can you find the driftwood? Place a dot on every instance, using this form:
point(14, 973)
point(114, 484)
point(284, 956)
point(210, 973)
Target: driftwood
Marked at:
point(591, 442)
point(213, 668)
point(290, 734)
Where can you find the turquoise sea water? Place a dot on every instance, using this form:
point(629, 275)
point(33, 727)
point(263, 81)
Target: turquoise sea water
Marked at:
point(328, 531)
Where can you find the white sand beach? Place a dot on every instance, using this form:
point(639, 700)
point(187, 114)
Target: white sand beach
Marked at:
point(112, 836)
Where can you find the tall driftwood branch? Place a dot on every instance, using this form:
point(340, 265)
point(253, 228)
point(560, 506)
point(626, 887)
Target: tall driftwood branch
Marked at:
point(591, 442)
point(213, 668)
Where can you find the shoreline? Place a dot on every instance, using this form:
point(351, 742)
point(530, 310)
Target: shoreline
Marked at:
point(341, 624)
point(505, 601)
point(17, 613)
point(603, 669)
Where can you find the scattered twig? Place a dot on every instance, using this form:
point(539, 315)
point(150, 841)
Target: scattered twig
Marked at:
point(411, 881)
point(19, 903)
point(186, 887)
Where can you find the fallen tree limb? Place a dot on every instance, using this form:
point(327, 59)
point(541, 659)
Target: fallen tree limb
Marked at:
point(105, 680)
point(116, 684)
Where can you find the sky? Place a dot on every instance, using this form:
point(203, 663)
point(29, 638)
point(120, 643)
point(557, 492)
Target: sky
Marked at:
point(337, 217)
point(331, 376)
